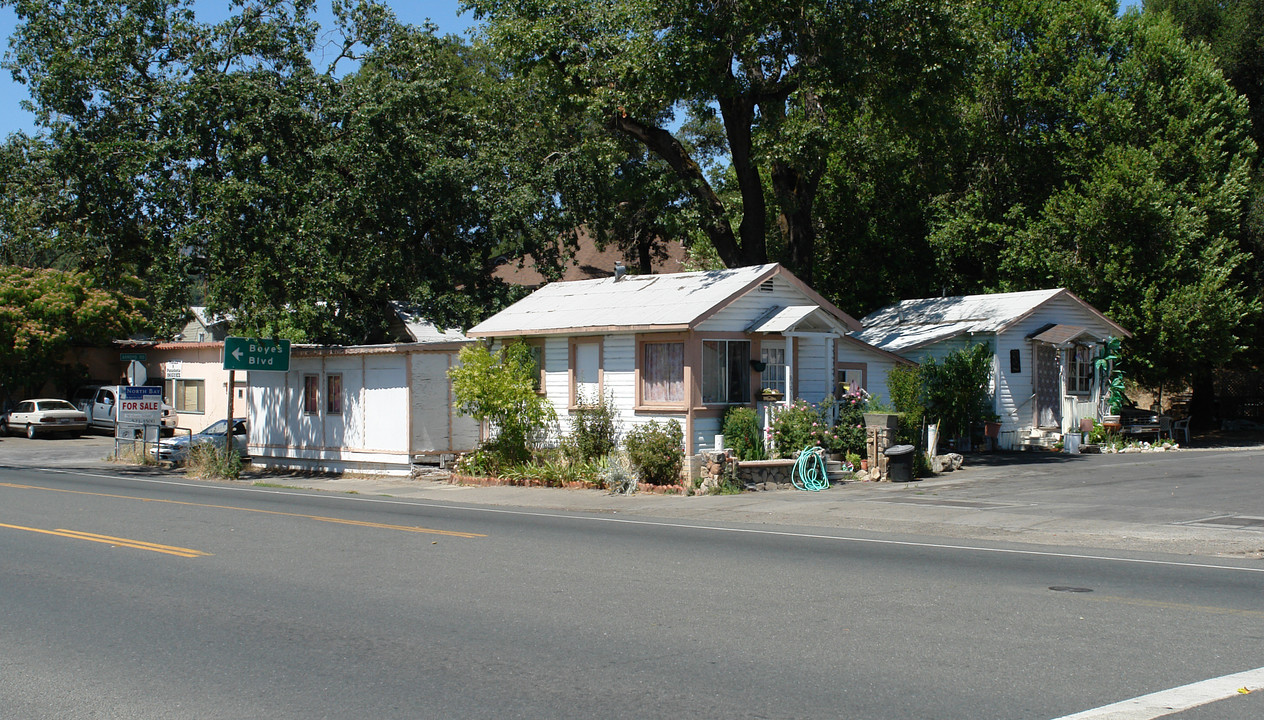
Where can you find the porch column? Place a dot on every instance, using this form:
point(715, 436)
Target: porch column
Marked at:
point(789, 398)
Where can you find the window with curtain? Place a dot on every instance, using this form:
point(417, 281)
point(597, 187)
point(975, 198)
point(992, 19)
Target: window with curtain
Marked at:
point(188, 396)
point(726, 371)
point(333, 394)
point(311, 394)
point(663, 372)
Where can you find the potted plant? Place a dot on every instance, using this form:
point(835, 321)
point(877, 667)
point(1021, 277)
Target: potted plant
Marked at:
point(881, 416)
point(771, 395)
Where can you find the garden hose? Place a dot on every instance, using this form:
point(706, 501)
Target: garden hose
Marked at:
point(809, 470)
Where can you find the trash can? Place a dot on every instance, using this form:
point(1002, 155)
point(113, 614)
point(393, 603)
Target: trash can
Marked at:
point(900, 462)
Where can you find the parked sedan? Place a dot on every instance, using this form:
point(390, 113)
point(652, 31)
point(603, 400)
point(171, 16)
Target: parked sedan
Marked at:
point(176, 449)
point(44, 415)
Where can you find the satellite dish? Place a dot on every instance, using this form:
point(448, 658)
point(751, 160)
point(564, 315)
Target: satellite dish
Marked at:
point(136, 374)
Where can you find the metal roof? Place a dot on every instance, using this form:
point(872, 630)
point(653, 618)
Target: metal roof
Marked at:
point(783, 319)
point(650, 302)
point(914, 323)
point(421, 330)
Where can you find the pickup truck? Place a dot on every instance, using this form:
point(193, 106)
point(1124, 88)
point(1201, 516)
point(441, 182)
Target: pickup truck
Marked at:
point(100, 404)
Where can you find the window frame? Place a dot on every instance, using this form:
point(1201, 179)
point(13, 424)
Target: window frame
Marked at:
point(743, 369)
point(781, 385)
point(1080, 382)
point(333, 396)
point(178, 386)
point(573, 369)
point(642, 397)
point(309, 402)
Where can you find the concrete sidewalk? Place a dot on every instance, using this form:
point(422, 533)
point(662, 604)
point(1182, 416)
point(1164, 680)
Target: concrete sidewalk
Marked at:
point(1081, 501)
point(1206, 501)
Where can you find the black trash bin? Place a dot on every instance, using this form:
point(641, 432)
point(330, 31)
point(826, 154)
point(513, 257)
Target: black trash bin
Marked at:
point(900, 463)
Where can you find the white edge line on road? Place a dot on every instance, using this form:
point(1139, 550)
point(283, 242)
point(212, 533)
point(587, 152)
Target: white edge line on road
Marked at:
point(1167, 702)
point(681, 526)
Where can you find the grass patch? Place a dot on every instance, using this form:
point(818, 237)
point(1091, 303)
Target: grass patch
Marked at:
point(211, 461)
point(133, 454)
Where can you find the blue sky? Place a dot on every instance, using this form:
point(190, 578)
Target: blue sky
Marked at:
point(442, 13)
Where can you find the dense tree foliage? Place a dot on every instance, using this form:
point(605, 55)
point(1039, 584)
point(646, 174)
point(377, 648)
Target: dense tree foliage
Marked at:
point(773, 74)
point(44, 313)
point(301, 177)
point(1109, 156)
point(292, 195)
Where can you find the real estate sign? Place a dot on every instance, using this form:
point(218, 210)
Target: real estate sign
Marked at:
point(256, 354)
point(140, 404)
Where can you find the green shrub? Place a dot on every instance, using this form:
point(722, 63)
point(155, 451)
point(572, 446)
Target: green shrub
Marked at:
point(499, 389)
point(849, 427)
point(655, 453)
point(594, 429)
point(480, 463)
point(742, 433)
point(957, 390)
point(800, 426)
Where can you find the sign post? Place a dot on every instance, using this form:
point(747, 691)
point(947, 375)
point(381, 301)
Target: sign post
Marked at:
point(251, 354)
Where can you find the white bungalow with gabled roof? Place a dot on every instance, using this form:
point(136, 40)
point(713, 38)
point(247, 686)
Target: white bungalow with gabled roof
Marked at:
point(687, 346)
point(1045, 343)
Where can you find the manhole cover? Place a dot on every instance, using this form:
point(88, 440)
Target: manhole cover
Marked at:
point(1067, 588)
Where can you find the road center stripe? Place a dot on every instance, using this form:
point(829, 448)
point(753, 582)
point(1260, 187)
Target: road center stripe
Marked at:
point(114, 541)
point(1167, 702)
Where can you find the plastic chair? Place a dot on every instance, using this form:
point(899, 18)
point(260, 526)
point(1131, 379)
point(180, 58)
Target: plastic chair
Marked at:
point(1181, 426)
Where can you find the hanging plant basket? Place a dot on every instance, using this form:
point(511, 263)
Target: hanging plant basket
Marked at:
point(758, 365)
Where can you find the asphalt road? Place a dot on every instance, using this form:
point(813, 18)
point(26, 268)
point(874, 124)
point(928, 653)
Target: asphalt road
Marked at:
point(151, 596)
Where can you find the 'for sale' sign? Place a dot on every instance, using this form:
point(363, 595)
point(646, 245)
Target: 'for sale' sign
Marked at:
point(141, 404)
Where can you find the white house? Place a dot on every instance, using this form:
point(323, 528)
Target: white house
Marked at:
point(368, 408)
point(687, 346)
point(1045, 343)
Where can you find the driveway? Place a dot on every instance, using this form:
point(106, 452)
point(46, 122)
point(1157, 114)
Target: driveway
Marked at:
point(90, 450)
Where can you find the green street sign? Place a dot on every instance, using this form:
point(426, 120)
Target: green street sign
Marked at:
point(128, 357)
point(255, 354)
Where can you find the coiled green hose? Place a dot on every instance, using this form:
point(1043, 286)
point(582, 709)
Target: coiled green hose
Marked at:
point(809, 470)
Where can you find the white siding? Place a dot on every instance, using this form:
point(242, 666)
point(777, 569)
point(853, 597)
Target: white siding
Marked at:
point(386, 404)
point(344, 429)
point(1015, 405)
point(740, 313)
point(814, 369)
point(382, 417)
point(436, 426)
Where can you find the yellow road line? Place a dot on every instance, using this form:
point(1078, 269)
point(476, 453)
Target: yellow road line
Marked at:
point(321, 518)
point(116, 541)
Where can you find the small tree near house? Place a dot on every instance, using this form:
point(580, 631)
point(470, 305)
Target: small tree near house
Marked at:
point(498, 388)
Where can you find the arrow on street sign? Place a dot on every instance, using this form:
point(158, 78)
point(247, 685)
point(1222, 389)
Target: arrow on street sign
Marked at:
point(256, 354)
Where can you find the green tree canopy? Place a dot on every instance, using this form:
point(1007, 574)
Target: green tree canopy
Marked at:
point(219, 156)
point(770, 74)
point(44, 313)
point(1109, 156)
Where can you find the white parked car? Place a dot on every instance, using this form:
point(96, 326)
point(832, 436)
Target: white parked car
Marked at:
point(176, 449)
point(44, 415)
